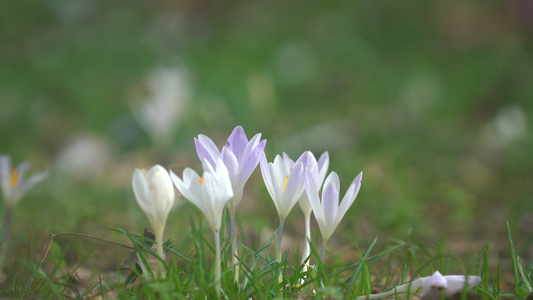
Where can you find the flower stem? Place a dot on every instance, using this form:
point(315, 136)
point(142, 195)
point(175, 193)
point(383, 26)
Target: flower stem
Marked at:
point(234, 250)
point(6, 237)
point(278, 250)
point(217, 263)
point(324, 242)
point(307, 247)
point(160, 253)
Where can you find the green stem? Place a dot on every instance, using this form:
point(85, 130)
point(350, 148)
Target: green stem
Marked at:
point(160, 253)
point(278, 250)
point(234, 249)
point(6, 236)
point(217, 263)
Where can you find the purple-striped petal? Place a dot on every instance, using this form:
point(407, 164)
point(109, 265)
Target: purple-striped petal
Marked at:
point(237, 141)
point(206, 149)
point(248, 166)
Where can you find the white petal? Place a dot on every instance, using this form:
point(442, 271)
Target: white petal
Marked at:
point(330, 203)
point(140, 187)
point(5, 165)
point(456, 283)
point(294, 188)
point(349, 198)
point(312, 195)
point(231, 162)
point(323, 165)
point(333, 178)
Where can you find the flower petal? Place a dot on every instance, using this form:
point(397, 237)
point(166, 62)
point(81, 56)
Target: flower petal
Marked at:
point(237, 141)
point(312, 195)
point(247, 167)
point(456, 283)
point(5, 164)
point(333, 178)
point(287, 162)
point(349, 198)
point(206, 149)
point(293, 189)
point(323, 165)
point(330, 204)
point(141, 191)
point(231, 163)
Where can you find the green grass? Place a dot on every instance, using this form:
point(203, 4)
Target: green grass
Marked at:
point(378, 267)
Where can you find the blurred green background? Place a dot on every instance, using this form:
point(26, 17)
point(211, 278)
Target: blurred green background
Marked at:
point(431, 100)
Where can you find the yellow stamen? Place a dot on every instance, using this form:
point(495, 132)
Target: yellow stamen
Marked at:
point(13, 177)
point(201, 180)
point(286, 179)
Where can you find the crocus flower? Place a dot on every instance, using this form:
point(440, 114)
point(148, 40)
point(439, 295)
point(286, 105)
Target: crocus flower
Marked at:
point(155, 195)
point(13, 181)
point(318, 171)
point(451, 284)
point(329, 212)
point(14, 185)
point(285, 186)
point(240, 157)
point(209, 193)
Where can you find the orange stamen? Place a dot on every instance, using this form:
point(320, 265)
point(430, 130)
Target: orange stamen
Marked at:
point(13, 177)
point(201, 180)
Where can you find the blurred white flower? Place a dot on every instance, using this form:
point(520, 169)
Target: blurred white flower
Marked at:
point(508, 126)
point(434, 284)
point(14, 182)
point(329, 212)
point(154, 192)
point(85, 157)
point(168, 93)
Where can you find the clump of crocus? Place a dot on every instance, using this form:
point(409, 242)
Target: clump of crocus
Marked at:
point(285, 186)
point(430, 286)
point(14, 185)
point(240, 157)
point(318, 170)
point(155, 195)
point(209, 193)
point(329, 212)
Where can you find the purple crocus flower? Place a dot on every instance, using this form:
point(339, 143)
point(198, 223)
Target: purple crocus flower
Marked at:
point(240, 156)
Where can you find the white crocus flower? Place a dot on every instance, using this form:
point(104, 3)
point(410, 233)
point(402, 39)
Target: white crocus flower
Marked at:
point(329, 212)
point(285, 186)
point(434, 284)
point(318, 170)
point(155, 195)
point(209, 193)
point(13, 181)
